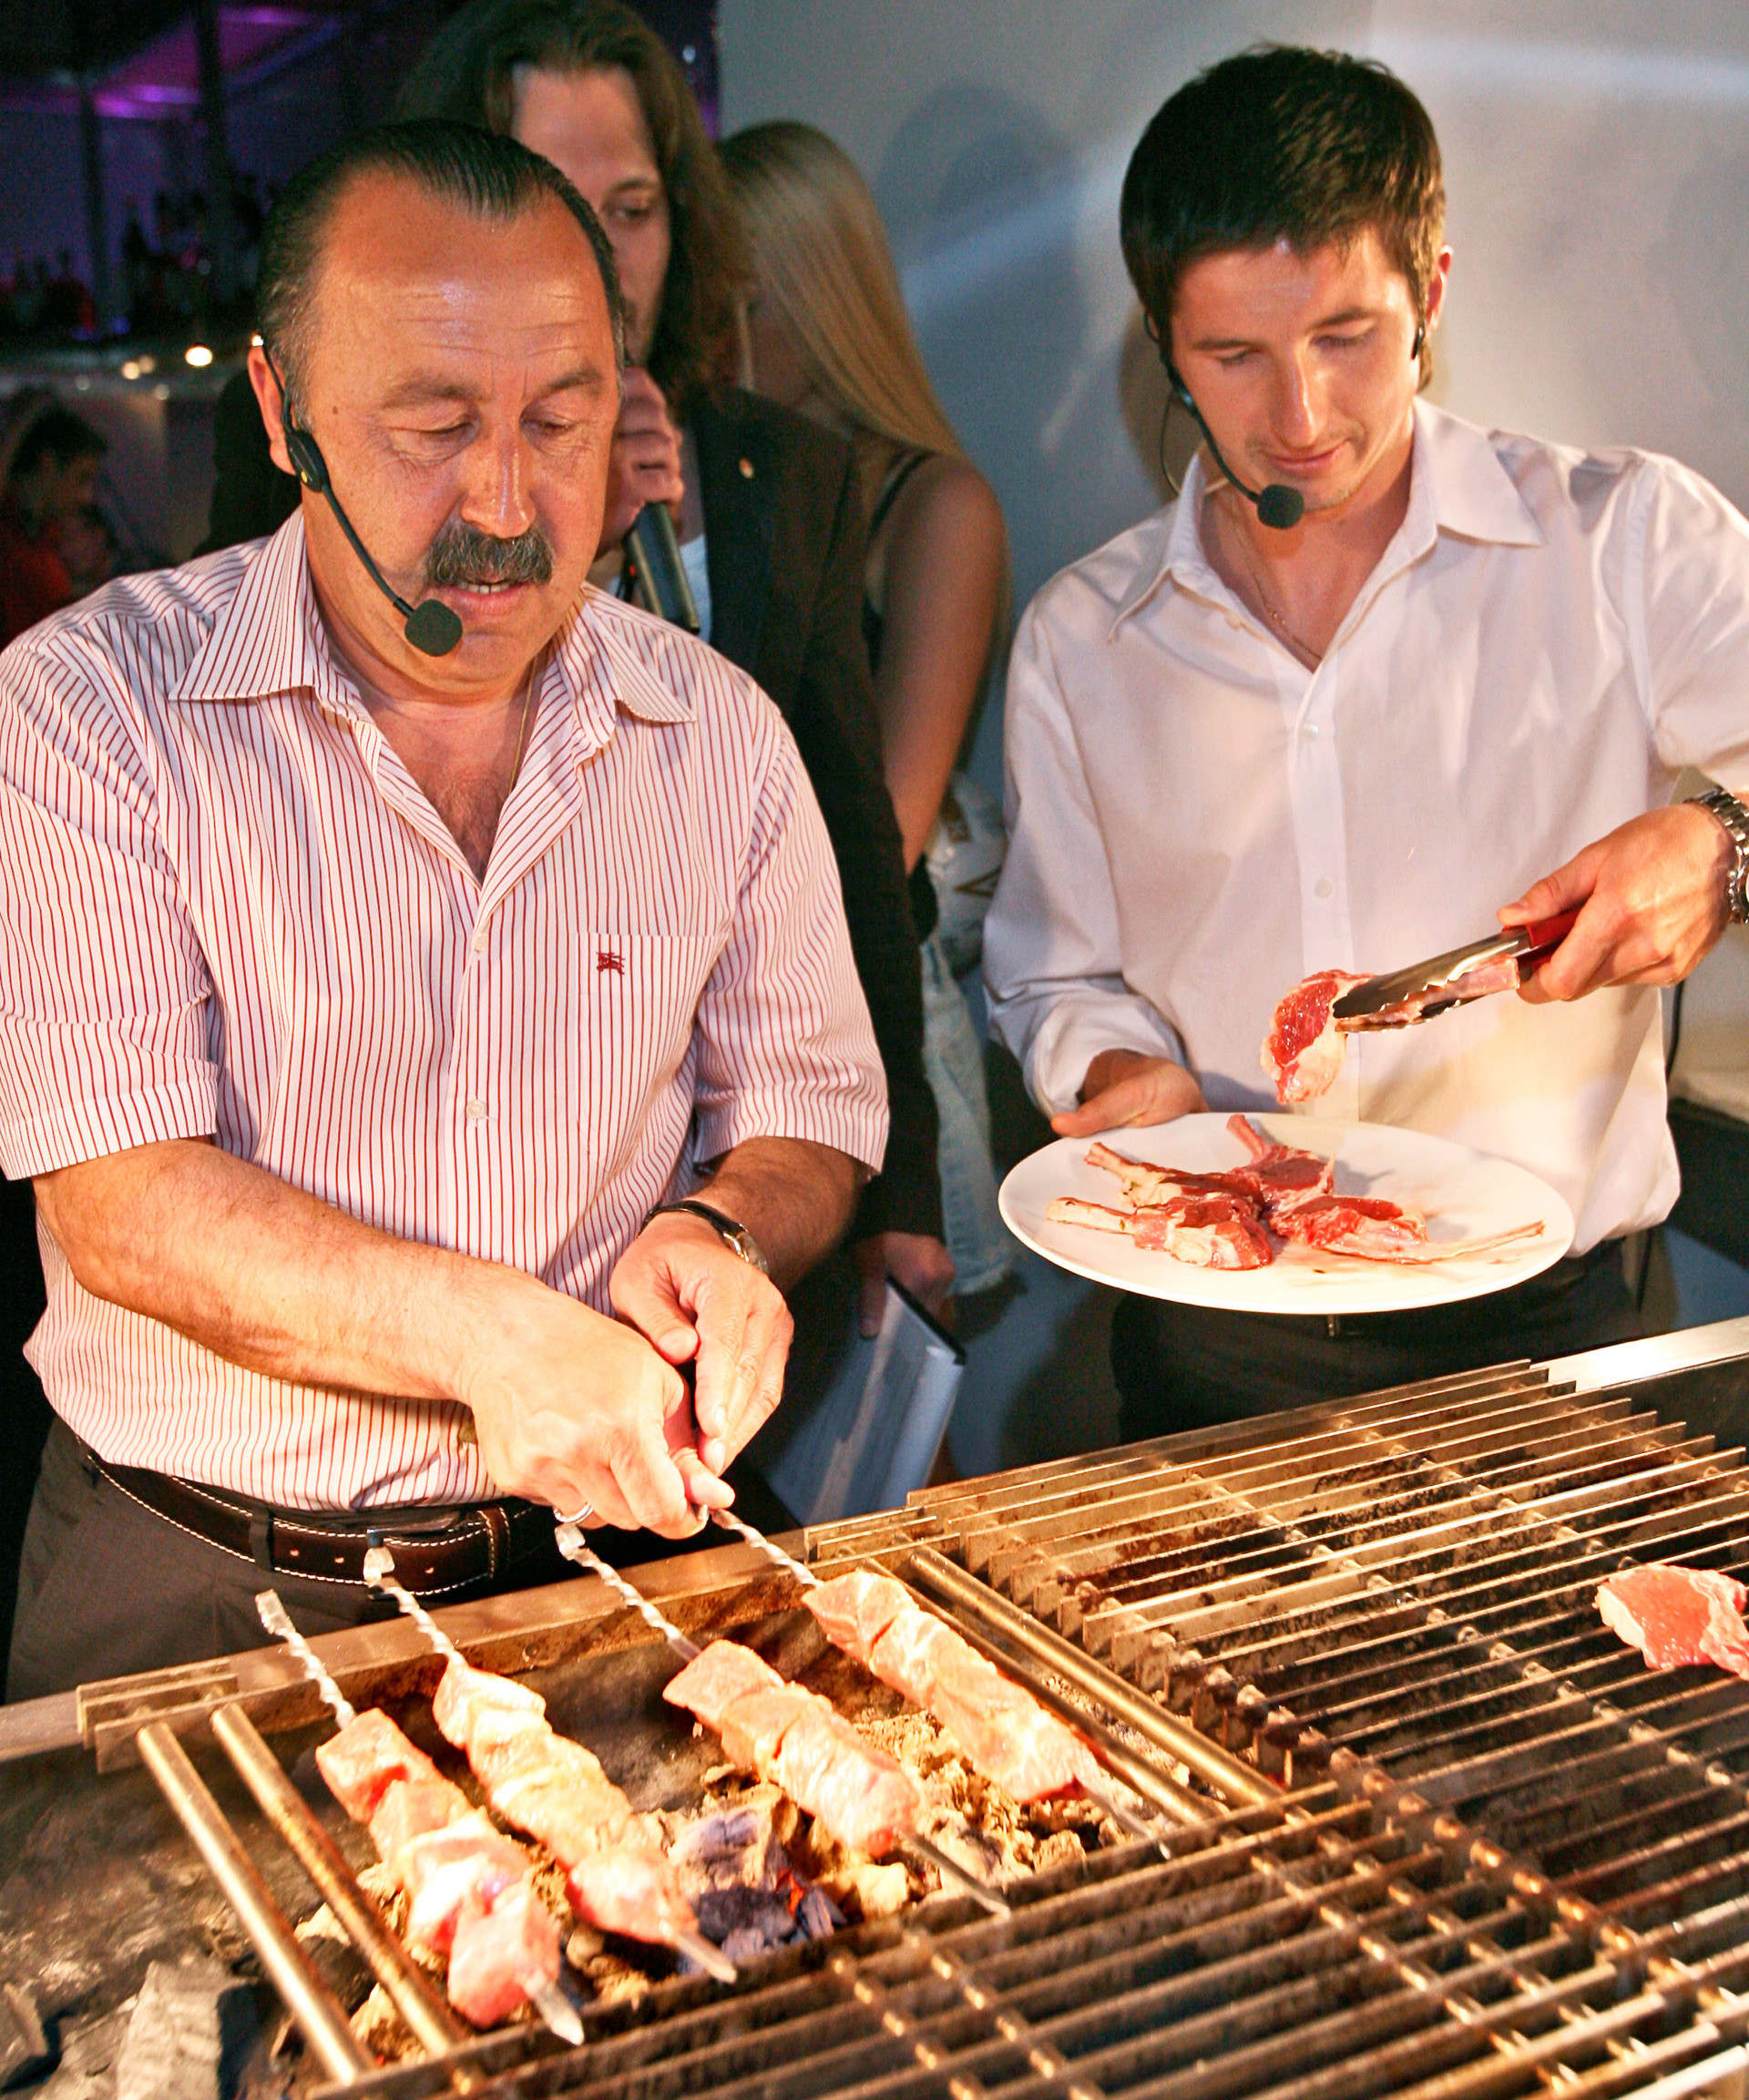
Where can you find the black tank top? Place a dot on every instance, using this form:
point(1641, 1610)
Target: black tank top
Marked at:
point(923, 907)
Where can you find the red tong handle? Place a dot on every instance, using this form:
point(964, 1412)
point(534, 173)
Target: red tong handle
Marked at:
point(1545, 935)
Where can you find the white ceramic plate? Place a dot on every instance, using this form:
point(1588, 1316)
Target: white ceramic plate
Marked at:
point(1463, 1194)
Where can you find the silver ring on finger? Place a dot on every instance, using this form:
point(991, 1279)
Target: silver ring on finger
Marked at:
point(576, 1516)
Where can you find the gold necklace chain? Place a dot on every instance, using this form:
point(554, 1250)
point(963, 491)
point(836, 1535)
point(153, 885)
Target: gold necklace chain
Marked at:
point(522, 734)
point(1298, 639)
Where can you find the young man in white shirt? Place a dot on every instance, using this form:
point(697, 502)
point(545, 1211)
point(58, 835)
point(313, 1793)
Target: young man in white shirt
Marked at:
point(1456, 682)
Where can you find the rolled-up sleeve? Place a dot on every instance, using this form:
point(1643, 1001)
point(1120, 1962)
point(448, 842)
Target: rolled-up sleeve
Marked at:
point(1053, 951)
point(783, 1042)
point(104, 989)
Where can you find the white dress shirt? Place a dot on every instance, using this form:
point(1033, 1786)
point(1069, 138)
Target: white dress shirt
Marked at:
point(230, 913)
point(1197, 821)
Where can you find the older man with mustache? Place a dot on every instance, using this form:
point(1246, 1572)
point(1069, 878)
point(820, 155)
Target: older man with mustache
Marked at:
point(421, 1059)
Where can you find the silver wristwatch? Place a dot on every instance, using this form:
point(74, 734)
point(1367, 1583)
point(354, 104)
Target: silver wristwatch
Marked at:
point(735, 1236)
point(1735, 818)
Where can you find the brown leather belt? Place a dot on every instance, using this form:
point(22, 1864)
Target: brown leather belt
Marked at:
point(437, 1547)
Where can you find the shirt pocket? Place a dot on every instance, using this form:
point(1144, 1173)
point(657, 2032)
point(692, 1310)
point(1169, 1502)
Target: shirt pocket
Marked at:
point(640, 994)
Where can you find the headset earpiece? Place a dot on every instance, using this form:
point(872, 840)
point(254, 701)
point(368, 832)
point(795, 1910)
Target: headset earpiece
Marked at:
point(1415, 347)
point(305, 454)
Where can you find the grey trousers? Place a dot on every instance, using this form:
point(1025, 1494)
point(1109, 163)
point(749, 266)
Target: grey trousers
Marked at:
point(106, 1587)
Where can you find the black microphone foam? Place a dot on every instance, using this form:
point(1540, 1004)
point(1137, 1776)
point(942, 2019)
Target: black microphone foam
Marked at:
point(433, 628)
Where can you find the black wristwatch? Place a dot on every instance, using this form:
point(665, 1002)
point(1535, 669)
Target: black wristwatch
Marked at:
point(736, 1237)
point(1735, 818)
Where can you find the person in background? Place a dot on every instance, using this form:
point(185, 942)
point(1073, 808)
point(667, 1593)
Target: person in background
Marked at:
point(48, 471)
point(1455, 691)
point(827, 334)
point(767, 505)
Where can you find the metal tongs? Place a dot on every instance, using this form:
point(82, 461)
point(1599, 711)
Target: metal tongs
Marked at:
point(1432, 988)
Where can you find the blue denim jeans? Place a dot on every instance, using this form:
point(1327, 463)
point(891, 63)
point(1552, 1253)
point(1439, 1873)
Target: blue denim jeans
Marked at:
point(954, 1059)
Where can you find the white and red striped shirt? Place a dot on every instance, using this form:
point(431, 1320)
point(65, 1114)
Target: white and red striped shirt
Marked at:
point(230, 912)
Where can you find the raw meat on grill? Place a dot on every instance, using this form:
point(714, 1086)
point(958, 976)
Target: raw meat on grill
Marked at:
point(1304, 1050)
point(792, 1737)
point(492, 1946)
point(999, 1726)
point(366, 1759)
point(1678, 1615)
point(618, 1877)
point(467, 1862)
point(1219, 1231)
point(459, 1872)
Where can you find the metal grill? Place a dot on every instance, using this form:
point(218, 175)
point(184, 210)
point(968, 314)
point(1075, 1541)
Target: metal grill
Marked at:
point(1459, 1843)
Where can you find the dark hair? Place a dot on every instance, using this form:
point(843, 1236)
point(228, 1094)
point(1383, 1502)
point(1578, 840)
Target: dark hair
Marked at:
point(490, 176)
point(1282, 143)
point(467, 72)
point(57, 434)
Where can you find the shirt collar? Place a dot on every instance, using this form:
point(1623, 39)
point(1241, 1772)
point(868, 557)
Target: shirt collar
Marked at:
point(1456, 485)
point(270, 640)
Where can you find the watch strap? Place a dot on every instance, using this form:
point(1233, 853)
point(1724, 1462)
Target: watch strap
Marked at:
point(1735, 818)
point(733, 1234)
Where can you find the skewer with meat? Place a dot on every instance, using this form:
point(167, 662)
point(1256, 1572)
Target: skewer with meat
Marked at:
point(793, 1738)
point(1000, 1728)
point(617, 1874)
point(468, 1888)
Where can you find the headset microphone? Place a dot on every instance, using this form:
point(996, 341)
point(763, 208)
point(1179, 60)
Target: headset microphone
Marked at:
point(1278, 506)
point(430, 627)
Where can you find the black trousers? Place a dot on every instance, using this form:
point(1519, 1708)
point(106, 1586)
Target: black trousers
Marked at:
point(1188, 1366)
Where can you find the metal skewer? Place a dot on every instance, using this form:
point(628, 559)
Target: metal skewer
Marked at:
point(555, 2008)
point(1125, 1819)
point(570, 1544)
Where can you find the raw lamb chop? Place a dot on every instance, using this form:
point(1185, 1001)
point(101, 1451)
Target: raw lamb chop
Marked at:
point(1303, 1049)
point(1678, 1615)
point(1216, 1231)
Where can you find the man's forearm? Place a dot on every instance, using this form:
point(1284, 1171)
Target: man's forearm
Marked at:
point(796, 1197)
point(270, 1278)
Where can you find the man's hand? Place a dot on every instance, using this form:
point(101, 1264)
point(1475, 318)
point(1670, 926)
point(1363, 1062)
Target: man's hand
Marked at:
point(571, 1406)
point(1123, 1087)
point(698, 1302)
point(1654, 899)
point(644, 466)
point(922, 1265)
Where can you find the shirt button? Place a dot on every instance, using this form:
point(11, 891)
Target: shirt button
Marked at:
point(1320, 888)
point(479, 942)
point(476, 1107)
point(1309, 730)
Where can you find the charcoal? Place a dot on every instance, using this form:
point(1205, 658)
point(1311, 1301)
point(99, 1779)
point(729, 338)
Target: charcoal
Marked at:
point(175, 2042)
point(723, 1911)
point(818, 1915)
point(25, 2051)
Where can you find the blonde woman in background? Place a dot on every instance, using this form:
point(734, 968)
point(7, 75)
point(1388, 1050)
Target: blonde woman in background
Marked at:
point(827, 333)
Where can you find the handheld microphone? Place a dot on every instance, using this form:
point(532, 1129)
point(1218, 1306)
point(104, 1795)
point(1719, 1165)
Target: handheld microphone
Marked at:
point(430, 627)
point(1278, 506)
point(656, 549)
